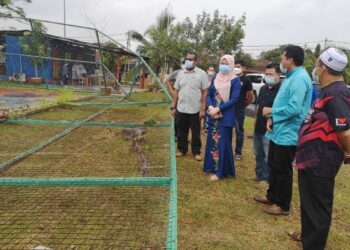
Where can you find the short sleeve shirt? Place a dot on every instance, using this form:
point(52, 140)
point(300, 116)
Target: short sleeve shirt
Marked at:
point(190, 85)
point(318, 147)
point(173, 75)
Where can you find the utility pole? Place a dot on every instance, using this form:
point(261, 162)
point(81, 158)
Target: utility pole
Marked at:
point(325, 44)
point(128, 41)
point(128, 46)
point(64, 18)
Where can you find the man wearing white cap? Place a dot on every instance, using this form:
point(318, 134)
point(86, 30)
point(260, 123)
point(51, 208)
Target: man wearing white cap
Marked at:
point(324, 143)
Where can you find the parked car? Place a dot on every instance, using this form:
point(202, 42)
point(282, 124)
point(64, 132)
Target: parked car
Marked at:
point(258, 81)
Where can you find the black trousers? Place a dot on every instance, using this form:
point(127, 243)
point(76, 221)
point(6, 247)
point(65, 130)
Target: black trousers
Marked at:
point(184, 123)
point(316, 204)
point(280, 160)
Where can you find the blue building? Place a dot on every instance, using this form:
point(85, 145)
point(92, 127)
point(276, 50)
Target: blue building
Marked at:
point(13, 62)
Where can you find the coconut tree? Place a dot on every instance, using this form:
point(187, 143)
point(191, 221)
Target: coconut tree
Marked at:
point(159, 42)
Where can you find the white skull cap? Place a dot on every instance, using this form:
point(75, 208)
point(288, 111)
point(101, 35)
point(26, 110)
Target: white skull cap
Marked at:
point(334, 58)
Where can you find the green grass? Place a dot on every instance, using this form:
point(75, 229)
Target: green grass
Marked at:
point(219, 215)
point(223, 215)
point(83, 218)
point(88, 217)
point(96, 152)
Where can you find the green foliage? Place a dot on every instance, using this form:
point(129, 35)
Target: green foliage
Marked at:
point(247, 58)
point(130, 76)
point(317, 52)
point(65, 95)
point(213, 36)
point(346, 73)
point(210, 36)
point(309, 62)
point(10, 9)
point(35, 44)
point(156, 43)
point(109, 57)
point(150, 122)
point(273, 55)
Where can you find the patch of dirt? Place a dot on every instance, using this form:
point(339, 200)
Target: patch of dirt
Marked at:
point(136, 135)
point(22, 93)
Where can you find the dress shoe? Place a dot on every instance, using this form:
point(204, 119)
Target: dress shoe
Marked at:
point(295, 235)
point(253, 179)
point(214, 177)
point(275, 210)
point(262, 199)
point(198, 157)
point(179, 154)
point(238, 157)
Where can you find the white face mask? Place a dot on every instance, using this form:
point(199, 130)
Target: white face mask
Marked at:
point(210, 73)
point(237, 71)
point(315, 77)
point(283, 69)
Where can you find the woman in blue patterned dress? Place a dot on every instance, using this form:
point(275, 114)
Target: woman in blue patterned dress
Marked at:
point(223, 93)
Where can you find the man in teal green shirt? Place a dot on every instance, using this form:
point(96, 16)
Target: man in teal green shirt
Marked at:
point(285, 118)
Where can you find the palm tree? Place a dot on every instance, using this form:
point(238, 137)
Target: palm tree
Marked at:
point(157, 42)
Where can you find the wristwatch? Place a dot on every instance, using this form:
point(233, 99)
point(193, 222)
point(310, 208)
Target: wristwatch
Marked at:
point(171, 108)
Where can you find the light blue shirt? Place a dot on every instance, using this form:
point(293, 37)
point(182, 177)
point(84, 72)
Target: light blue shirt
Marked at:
point(190, 85)
point(290, 107)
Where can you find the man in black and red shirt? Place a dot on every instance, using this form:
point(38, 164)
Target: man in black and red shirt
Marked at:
point(324, 143)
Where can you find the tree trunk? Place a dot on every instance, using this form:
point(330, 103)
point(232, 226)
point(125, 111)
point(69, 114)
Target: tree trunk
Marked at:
point(36, 70)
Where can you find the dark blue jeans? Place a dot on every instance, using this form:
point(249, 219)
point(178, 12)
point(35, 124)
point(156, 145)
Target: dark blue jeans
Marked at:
point(261, 151)
point(239, 127)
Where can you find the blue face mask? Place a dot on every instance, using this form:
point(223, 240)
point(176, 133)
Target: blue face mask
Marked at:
point(283, 69)
point(224, 69)
point(270, 80)
point(189, 64)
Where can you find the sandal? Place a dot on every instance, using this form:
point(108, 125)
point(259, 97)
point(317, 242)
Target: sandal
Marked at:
point(214, 177)
point(296, 236)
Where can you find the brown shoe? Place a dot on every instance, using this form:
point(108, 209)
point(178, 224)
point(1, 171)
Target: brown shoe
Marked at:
point(295, 235)
point(252, 179)
point(198, 157)
point(179, 154)
point(275, 210)
point(238, 157)
point(262, 199)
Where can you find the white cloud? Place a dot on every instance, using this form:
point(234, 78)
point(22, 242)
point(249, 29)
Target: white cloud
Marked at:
point(268, 22)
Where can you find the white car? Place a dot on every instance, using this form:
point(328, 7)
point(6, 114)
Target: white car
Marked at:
point(257, 80)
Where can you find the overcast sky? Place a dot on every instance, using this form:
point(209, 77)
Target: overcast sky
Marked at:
point(269, 22)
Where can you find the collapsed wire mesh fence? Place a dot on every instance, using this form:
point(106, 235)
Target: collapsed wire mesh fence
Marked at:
point(91, 152)
point(85, 58)
point(84, 217)
point(98, 152)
